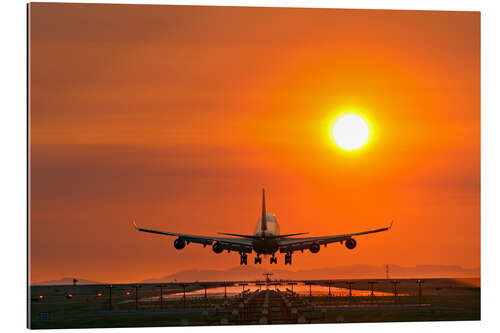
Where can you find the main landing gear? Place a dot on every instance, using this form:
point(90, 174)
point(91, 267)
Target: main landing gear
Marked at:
point(258, 259)
point(288, 259)
point(243, 258)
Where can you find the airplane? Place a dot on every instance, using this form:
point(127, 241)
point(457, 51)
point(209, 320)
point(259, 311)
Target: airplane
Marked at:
point(266, 240)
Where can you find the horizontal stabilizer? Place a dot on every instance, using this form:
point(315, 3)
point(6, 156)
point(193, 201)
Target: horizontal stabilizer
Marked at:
point(257, 237)
point(237, 235)
point(288, 235)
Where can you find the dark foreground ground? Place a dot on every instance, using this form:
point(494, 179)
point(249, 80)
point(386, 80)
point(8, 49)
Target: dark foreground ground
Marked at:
point(90, 306)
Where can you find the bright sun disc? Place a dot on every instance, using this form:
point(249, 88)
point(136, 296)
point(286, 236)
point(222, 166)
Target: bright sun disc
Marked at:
point(350, 132)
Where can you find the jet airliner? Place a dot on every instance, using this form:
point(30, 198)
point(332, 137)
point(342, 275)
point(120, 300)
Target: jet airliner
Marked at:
point(266, 240)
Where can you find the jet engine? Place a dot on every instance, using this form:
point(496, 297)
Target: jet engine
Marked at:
point(217, 247)
point(314, 248)
point(179, 243)
point(350, 243)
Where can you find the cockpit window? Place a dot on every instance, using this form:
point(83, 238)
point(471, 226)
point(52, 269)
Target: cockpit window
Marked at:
point(270, 217)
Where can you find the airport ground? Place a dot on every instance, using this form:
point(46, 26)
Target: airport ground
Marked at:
point(253, 302)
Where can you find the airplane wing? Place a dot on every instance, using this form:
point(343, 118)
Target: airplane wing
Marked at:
point(296, 244)
point(227, 243)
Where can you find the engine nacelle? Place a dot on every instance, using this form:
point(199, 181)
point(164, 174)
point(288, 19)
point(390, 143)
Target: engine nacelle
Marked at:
point(350, 243)
point(179, 243)
point(217, 247)
point(314, 248)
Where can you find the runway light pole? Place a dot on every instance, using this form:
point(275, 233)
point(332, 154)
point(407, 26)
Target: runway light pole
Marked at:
point(330, 283)
point(350, 283)
point(420, 291)
point(243, 288)
point(184, 297)
point(204, 286)
point(137, 297)
point(372, 294)
point(267, 276)
point(310, 290)
point(395, 283)
point(110, 287)
point(371, 287)
point(161, 296)
point(292, 284)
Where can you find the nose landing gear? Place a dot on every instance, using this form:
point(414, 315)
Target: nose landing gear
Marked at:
point(288, 259)
point(258, 260)
point(243, 259)
point(273, 260)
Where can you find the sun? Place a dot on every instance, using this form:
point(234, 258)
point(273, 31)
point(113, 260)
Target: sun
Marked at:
point(350, 132)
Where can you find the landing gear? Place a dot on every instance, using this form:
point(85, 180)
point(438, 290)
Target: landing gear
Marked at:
point(243, 259)
point(288, 259)
point(273, 260)
point(258, 260)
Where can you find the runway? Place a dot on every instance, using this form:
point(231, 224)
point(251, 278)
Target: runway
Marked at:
point(252, 302)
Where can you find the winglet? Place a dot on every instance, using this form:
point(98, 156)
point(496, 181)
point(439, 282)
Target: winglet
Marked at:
point(135, 225)
point(390, 226)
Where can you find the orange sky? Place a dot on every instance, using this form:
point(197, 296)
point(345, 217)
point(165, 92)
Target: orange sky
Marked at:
point(177, 116)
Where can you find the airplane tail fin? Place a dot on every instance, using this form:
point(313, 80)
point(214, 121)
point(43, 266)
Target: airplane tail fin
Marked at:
point(264, 213)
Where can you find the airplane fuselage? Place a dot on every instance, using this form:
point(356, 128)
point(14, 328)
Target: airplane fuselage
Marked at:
point(265, 243)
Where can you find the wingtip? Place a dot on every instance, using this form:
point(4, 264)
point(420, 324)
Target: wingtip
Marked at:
point(390, 226)
point(135, 225)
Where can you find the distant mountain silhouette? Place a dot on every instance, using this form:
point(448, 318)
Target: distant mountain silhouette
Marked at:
point(340, 272)
point(64, 281)
point(240, 273)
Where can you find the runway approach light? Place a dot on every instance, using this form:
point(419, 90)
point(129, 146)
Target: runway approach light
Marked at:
point(40, 297)
point(69, 296)
point(128, 293)
point(99, 294)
